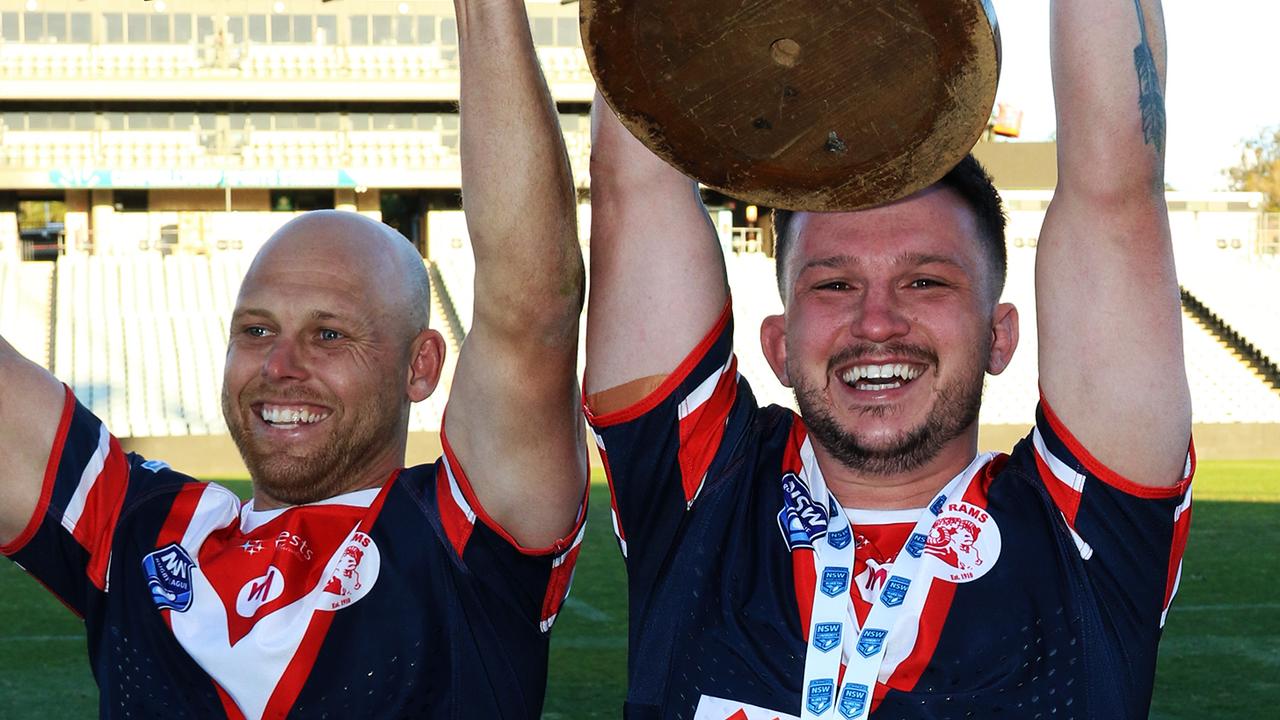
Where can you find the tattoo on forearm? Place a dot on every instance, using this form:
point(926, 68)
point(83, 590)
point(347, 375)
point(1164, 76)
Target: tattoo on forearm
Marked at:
point(1150, 101)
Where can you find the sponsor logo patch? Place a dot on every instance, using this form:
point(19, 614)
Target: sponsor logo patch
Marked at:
point(826, 636)
point(259, 591)
point(895, 591)
point(835, 580)
point(818, 698)
point(963, 543)
point(870, 641)
point(840, 539)
point(938, 504)
point(801, 520)
point(169, 577)
point(853, 700)
point(915, 544)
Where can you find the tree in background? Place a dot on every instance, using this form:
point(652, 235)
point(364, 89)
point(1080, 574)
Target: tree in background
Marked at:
point(1259, 168)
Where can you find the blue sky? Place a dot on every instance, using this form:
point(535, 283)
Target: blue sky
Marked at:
point(1222, 85)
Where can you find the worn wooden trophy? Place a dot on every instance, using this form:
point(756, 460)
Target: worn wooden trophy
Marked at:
point(799, 104)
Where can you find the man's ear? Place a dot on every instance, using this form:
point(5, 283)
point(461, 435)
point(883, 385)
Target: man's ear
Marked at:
point(773, 340)
point(426, 359)
point(1004, 337)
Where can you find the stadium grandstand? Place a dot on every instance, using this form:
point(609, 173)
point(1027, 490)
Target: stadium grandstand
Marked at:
point(147, 149)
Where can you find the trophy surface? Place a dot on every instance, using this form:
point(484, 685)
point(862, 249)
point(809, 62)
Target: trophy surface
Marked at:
point(797, 104)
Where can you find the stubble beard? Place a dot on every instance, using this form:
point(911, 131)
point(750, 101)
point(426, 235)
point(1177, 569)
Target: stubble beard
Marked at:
point(953, 412)
point(329, 470)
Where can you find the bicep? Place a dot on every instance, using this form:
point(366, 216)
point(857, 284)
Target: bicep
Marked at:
point(514, 422)
point(1110, 334)
point(657, 272)
point(31, 406)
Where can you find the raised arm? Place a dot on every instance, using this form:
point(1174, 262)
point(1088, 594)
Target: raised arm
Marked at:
point(657, 273)
point(514, 419)
point(30, 405)
point(1111, 362)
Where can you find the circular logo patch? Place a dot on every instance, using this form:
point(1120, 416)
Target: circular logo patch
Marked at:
point(963, 543)
point(354, 575)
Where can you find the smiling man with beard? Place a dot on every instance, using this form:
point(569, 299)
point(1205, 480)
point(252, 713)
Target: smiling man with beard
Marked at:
point(863, 558)
point(350, 585)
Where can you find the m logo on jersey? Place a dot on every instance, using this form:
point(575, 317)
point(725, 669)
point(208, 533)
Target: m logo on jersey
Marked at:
point(870, 641)
point(259, 591)
point(826, 636)
point(963, 543)
point(169, 577)
point(895, 591)
point(818, 699)
point(835, 581)
point(801, 520)
point(853, 700)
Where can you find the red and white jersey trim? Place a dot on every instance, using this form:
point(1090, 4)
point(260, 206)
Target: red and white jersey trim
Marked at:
point(88, 480)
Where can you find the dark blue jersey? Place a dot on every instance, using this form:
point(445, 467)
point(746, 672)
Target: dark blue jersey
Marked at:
point(1051, 575)
point(399, 601)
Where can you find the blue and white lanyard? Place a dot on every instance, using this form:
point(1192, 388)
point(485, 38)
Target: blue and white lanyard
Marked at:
point(895, 611)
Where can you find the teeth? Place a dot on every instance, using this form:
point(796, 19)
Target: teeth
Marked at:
point(277, 415)
point(877, 372)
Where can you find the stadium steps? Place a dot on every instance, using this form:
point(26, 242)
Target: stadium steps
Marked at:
point(1263, 366)
point(442, 306)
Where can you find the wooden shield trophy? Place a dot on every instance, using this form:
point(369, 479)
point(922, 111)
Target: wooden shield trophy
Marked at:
point(799, 104)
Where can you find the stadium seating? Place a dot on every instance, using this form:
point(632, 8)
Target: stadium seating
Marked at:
point(1234, 286)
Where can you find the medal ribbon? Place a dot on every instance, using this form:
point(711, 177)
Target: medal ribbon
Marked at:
point(833, 622)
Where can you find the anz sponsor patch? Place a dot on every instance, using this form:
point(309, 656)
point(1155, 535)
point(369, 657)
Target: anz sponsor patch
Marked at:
point(916, 543)
point(818, 698)
point(826, 636)
point(853, 701)
point(801, 520)
point(870, 641)
point(895, 591)
point(835, 580)
point(169, 577)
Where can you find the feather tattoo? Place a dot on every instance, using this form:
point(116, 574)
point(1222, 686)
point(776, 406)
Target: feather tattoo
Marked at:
point(1150, 101)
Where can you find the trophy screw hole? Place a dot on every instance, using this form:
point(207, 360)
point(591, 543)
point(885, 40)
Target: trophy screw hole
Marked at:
point(761, 124)
point(835, 144)
point(785, 52)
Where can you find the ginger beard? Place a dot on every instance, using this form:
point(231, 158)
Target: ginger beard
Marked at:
point(296, 476)
point(955, 408)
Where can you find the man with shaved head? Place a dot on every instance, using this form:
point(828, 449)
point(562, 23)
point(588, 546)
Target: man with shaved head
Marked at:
point(349, 585)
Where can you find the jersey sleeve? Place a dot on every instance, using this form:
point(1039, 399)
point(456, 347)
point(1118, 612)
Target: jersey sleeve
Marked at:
point(66, 544)
point(657, 452)
point(1131, 537)
point(536, 580)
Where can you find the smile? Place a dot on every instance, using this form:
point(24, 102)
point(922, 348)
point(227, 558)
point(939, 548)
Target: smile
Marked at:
point(287, 417)
point(881, 377)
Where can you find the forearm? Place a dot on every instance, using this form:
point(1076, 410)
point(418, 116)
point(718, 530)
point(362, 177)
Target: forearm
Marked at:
point(1108, 59)
point(517, 186)
point(30, 405)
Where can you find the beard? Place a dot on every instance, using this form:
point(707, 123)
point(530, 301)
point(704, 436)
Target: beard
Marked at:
point(954, 410)
point(326, 471)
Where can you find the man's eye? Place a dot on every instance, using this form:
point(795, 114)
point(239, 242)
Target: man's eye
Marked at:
point(255, 331)
point(330, 335)
point(833, 285)
point(922, 283)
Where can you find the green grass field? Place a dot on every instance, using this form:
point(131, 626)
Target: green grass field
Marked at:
point(1220, 656)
